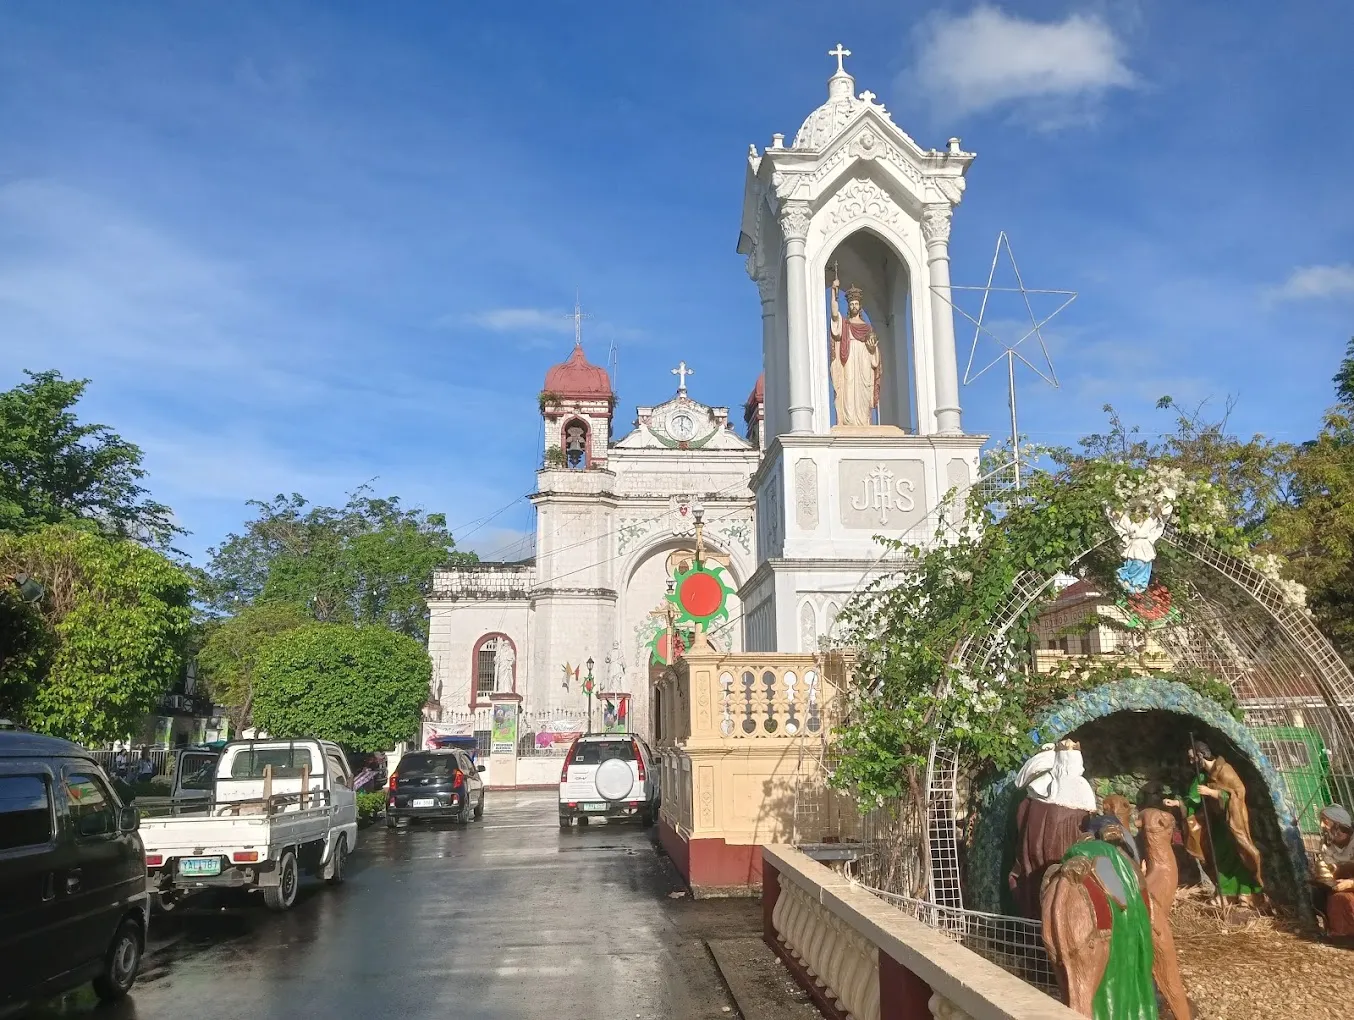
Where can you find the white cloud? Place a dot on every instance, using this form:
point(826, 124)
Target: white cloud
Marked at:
point(989, 58)
point(1307, 282)
point(517, 320)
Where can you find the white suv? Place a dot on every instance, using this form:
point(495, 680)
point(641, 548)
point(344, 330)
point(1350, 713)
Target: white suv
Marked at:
point(608, 775)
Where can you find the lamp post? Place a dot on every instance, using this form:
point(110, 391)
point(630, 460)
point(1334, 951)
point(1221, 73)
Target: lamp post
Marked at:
point(671, 651)
point(699, 514)
point(587, 689)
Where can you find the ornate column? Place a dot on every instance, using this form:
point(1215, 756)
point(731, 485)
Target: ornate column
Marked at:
point(764, 277)
point(936, 230)
point(794, 225)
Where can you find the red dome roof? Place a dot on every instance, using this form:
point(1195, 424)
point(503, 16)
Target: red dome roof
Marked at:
point(578, 378)
point(758, 394)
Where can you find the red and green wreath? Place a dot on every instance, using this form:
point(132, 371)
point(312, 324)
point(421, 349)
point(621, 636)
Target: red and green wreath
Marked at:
point(660, 654)
point(701, 595)
point(1149, 609)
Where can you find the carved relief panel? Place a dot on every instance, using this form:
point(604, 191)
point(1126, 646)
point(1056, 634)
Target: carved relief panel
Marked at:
point(877, 494)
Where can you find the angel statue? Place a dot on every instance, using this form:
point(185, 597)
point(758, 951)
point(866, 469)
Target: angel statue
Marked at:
point(1138, 539)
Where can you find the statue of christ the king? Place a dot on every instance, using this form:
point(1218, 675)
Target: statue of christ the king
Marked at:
point(855, 360)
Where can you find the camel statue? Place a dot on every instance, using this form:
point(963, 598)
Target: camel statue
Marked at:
point(1096, 927)
point(1160, 884)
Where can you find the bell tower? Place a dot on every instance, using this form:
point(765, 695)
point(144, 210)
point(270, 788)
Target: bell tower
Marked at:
point(846, 233)
point(576, 404)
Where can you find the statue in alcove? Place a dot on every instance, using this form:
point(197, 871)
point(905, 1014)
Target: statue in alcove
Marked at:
point(1218, 827)
point(855, 359)
point(575, 444)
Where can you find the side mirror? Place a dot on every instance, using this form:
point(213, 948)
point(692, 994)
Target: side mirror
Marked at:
point(129, 819)
point(479, 768)
point(94, 824)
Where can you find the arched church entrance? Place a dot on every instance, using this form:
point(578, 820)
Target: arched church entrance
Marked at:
point(644, 612)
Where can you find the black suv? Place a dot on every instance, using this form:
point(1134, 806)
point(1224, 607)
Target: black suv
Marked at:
point(435, 784)
point(73, 903)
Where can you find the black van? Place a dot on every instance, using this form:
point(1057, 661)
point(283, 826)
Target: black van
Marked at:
point(73, 902)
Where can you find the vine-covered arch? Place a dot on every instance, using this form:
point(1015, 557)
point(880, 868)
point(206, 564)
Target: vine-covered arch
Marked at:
point(1242, 629)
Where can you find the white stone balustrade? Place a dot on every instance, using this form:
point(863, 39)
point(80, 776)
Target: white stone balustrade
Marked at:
point(845, 939)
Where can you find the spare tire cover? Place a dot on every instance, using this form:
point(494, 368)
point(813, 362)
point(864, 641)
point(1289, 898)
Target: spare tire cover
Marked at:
point(614, 779)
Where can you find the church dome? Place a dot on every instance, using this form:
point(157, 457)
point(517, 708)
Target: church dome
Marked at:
point(578, 378)
point(824, 123)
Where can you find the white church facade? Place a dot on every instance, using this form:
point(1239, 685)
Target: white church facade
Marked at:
point(854, 431)
point(615, 520)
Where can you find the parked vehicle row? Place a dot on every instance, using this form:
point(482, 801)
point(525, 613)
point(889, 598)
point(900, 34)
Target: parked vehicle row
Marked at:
point(79, 869)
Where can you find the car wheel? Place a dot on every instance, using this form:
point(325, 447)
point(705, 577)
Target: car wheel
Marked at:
point(582, 819)
point(337, 872)
point(390, 822)
point(645, 818)
point(281, 896)
point(479, 808)
point(122, 963)
point(563, 821)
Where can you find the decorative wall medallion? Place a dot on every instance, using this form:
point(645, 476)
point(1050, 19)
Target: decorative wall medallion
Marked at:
point(882, 493)
point(631, 531)
point(740, 532)
point(956, 474)
point(862, 198)
point(806, 493)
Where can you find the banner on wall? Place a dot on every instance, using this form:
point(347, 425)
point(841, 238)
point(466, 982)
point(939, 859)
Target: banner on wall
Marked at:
point(504, 734)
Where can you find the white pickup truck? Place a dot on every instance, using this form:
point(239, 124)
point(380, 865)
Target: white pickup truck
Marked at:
point(278, 807)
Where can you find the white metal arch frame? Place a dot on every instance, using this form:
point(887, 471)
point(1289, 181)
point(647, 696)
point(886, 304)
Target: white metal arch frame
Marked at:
point(1302, 653)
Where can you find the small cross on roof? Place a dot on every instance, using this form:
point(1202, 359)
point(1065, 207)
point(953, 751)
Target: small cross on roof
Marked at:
point(839, 53)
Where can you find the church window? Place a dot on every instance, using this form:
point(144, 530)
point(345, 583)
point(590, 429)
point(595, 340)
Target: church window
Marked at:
point(484, 671)
point(576, 444)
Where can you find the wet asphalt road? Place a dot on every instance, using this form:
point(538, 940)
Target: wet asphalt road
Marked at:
point(509, 917)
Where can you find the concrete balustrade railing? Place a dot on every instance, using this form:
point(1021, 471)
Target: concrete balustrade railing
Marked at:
point(861, 957)
point(740, 737)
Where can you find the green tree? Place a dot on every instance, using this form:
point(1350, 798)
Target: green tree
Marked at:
point(104, 643)
point(1315, 530)
point(54, 469)
point(230, 652)
point(1252, 475)
point(363, 687)
point(370, 562)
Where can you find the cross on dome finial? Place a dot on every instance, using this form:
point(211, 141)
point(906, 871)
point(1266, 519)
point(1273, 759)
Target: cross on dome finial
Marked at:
point(681, 372)
point(839, 53)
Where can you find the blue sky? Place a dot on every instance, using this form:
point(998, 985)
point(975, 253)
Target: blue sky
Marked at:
point(303, 246)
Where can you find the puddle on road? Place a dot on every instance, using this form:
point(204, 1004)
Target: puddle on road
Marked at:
point(629, 851)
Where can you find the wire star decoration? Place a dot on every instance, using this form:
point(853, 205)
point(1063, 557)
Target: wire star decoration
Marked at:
point(1044, 369)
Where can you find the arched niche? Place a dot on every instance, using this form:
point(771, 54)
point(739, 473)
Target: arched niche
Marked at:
point(489, 657)
point(864, 258)
point(576, 442)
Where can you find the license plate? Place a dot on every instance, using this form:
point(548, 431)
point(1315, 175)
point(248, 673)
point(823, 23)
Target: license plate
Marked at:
point(200, 866)
point(423, 802)
point(594, 807)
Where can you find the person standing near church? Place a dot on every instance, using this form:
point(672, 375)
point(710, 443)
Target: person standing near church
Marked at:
point(855, 360)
